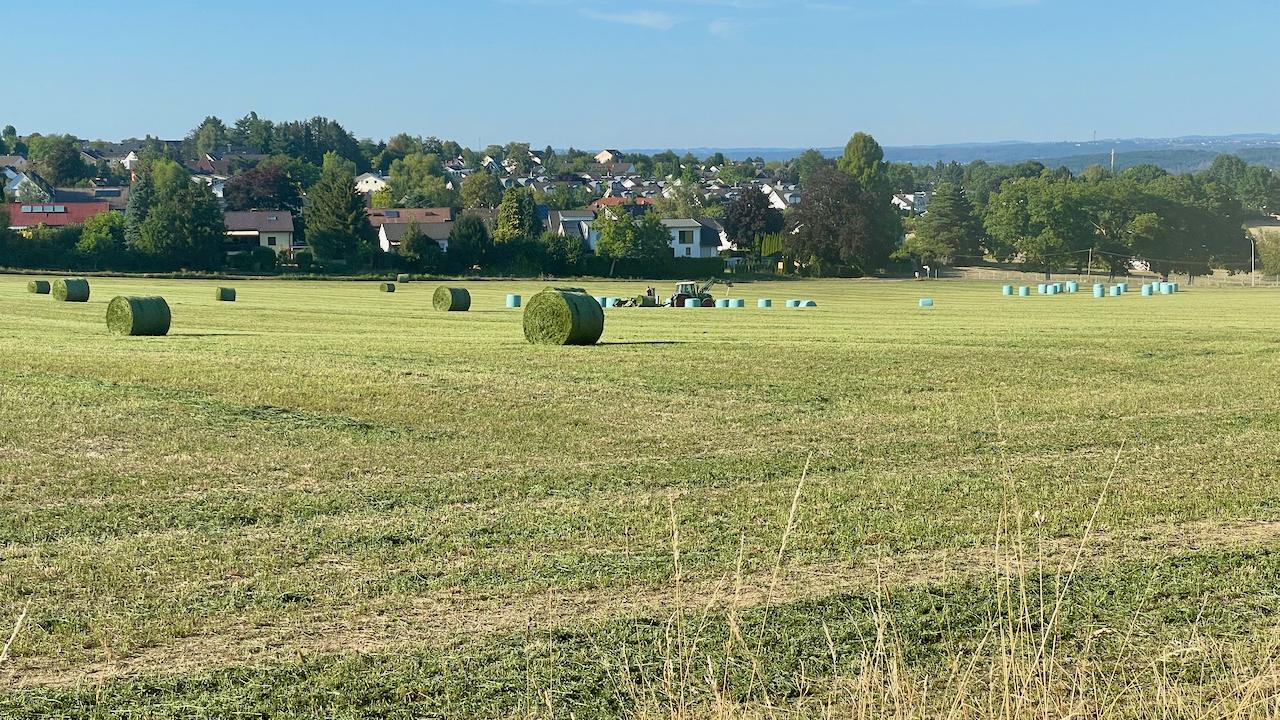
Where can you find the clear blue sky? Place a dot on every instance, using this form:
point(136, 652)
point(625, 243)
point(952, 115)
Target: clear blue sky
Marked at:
point(651, 73)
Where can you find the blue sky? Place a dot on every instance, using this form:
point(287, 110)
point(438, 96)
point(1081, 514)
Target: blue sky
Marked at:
point(652, 73)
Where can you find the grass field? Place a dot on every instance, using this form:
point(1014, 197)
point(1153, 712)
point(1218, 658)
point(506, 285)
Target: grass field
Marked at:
point(325, 501)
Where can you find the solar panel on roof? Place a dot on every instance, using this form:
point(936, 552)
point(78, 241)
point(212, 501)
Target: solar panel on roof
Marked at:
point(26, 208)
point(60, 208)
point(48, 208)
point(393, 213)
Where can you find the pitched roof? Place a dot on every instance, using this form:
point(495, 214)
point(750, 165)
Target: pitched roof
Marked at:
point(54, 214)
point(424, 216)
point(435, 231)
point(605, 202)
point(12, 161)
point(262, 221)
point(116, 197)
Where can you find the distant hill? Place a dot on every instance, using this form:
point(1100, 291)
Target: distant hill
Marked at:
point(1177, 155)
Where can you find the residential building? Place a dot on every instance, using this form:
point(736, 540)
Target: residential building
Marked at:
point(23, 215)
point(370, 183)
point(689, 241)
point(115, 197)
point(424, 216)
point(27, 185)
point(17, 162)
point(915, 203)
point(390, 234)
point(266, 228)
point(608, 157)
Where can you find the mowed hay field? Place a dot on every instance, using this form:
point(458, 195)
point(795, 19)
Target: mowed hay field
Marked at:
point(326, 501)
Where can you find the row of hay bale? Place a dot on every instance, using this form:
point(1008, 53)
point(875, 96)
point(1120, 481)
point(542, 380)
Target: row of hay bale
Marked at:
point(1099, 289)
point(62, 289)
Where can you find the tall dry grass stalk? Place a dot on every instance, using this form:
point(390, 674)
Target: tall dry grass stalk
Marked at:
point(1015, 670)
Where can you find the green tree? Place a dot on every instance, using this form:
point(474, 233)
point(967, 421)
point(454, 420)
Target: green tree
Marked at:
point(615, 232)
point(951, 227)
point(749, 217)
point(62, 163)
point(253, 131)
point(469, 243)
point(383, 198)
point(517, 216)
point(841, 223)
point(563, 252)
point(650, 238)
point(102, 237)
point(412, 173)
point(262, 189)
point(864, 160)
point(184, 228)
point(481, 190)
point(431, 192)
point(208, 136)
point(806, 163)
point(336, 222)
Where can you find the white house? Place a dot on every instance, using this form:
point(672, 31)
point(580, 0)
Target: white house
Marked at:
point(689, 241)
point(130, 161)
point(370, 183)
point(17, 162)
point(390, 234)
point(608, 157)
point(268, 228)
point(915, 203)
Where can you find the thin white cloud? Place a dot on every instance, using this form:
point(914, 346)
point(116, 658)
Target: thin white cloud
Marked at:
point(724, 28)
point(643, 18)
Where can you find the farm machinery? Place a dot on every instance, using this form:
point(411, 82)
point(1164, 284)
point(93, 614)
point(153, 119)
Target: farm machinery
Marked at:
point(686, 290)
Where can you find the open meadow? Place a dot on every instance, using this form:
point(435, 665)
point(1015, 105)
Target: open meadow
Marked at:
point(325, 501)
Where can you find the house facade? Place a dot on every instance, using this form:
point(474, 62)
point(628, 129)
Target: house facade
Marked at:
point(266, 228)
point(370, 183)
point(688, 239)
point(390, 235)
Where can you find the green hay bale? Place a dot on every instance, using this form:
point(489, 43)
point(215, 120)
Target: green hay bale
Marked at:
point(402, 278)
point(70, 290)
point(224, 294)
point(386, 287)
point(138, 316)
point(451, 299)
point(646, 301)
point(39, 287)
point(560, 317)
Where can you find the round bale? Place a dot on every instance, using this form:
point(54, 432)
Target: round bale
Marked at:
point(563, 316)
point(223, 294)
point(39, 287)
point(386, 287)
point(451, 299)
point(402, 278)
point(138, 315)
point(70, 290)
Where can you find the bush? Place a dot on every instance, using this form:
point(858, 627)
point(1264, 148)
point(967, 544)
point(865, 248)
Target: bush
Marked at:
point(264, 259)
point(304, 259)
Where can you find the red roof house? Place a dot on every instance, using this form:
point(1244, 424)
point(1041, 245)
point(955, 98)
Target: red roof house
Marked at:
point(22, 216)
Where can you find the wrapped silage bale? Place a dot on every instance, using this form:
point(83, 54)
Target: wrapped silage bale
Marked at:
point(138, 315)
point(70, 290)
point(513, 300)
point(926, 302)
point(563, 316)
point(1024, 291)
point(692, 302)
point(764, 303)
point(451, 299)
point(1007, 290)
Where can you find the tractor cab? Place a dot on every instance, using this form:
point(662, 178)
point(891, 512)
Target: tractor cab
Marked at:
point(687, 288)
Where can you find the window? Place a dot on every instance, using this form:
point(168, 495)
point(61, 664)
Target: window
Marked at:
point(272, 218)
point(688, 251)
point(271, 239)
point(686, 236)
point(393, 213)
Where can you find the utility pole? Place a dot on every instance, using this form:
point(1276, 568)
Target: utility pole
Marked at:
point(1088, 269)
point(1253, 253)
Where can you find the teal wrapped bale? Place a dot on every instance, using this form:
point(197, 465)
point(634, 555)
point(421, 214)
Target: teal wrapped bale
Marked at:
point(692, 302)
point(39, 287)
point(601, 300)
point(451, 299)
point(1073, 287)
point(1166, 289)
point(1007, 290)
point(1099, 290)
point(722, 303)
point(70, 290)
point(808, 303)
point(764, 303)
point(793, 303)
point(402, 278)
point(224, 294)
point(1042, 289)
point(1124, 288)
point(1115, 291)
point(926, 302)
point(558, 316)
point(1146, 291)
point(386, 287)
point(1024, 291)
point(138, 315)
point(737, 303)
point(513, 300)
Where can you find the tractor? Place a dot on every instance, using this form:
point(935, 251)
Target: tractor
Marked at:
point(689, 290)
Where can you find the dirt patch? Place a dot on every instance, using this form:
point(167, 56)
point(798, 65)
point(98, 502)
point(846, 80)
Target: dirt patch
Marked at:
point(441, 618)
